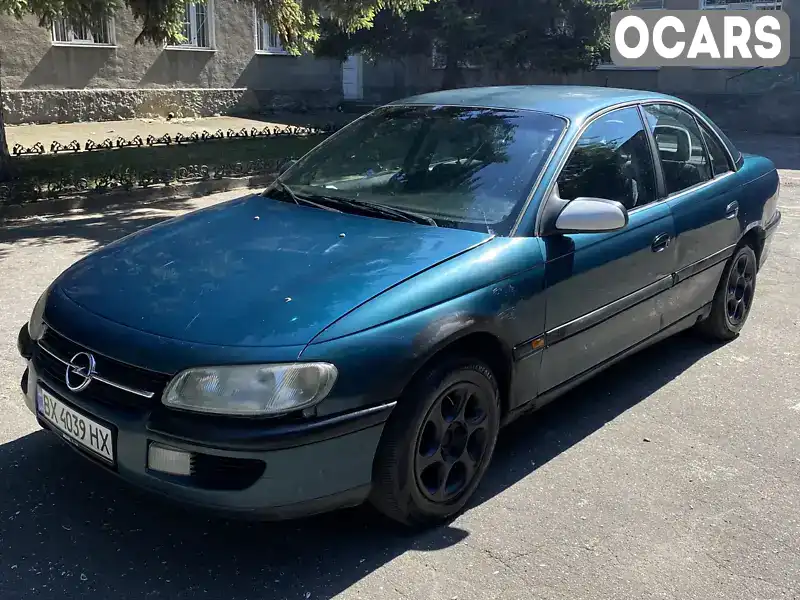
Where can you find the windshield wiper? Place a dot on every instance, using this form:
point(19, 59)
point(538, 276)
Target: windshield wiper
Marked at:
point(389, 211)
point(300, 200)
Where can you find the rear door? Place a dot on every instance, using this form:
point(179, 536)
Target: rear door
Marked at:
point(602, 288)
point(703, 195)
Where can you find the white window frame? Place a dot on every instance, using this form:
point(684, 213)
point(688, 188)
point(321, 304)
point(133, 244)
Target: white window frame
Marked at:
point(89, 42)
point(749, 5)
point(609, 66)
point(189, 44)
point(263, 32)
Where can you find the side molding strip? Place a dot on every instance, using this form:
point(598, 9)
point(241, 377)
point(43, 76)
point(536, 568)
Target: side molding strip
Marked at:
point(584, 322)
point(704, 263)
point(596, 317)
point(529, 347)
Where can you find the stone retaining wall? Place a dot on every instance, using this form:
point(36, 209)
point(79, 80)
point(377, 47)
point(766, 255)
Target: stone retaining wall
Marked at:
point(62, 106)
point(771, 112)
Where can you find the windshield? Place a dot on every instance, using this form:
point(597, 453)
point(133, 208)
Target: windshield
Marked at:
point(464, 167)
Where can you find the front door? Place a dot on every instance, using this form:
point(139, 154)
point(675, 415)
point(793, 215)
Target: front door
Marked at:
point(603, 288)
point(703, 197)
point(352, 78)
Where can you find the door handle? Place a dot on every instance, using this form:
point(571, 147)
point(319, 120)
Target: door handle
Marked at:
point(661, 242)
point(732, 210)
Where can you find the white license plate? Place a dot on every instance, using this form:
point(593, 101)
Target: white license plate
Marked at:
point(74, 426)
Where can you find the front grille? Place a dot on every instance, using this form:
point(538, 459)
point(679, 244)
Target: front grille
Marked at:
point(116, 383)
point(225, 473)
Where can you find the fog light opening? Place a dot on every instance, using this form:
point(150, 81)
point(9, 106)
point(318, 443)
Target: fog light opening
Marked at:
point(166, 459)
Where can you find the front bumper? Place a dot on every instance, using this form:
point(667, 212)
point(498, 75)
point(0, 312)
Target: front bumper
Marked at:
point(264, 472)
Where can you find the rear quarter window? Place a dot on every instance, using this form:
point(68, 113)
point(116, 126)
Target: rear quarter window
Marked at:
point(734, 151)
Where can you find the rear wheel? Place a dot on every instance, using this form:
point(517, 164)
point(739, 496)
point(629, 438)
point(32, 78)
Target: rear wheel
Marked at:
point(437, 444)
point(733, 298)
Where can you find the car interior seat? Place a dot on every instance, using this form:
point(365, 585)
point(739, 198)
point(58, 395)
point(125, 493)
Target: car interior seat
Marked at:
point(675, 149)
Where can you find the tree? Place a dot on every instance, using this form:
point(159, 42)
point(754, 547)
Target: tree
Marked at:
point(549, 35)
point(296, 21)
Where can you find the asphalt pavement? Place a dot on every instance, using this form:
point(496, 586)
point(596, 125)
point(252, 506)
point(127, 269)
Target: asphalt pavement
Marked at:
point(676, 474)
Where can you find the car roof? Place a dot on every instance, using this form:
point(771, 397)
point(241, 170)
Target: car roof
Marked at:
point(571, 101)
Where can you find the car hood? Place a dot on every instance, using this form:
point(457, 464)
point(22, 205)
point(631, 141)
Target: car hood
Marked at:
point(254, 271)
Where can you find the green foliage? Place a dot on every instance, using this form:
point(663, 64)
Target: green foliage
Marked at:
point(296, 21)
point(551, 35)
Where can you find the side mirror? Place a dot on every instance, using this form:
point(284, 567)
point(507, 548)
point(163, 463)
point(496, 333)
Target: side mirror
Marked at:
point(591, 215)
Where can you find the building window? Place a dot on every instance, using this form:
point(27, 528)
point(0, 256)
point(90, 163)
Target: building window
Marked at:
point(67, 32)
point(198, 26)
point(730, 5)
point(267, 40)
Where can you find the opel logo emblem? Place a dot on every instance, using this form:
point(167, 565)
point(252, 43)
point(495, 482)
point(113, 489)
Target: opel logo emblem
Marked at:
point(80, 371)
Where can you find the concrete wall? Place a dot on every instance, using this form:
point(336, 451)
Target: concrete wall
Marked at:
point(30, 64)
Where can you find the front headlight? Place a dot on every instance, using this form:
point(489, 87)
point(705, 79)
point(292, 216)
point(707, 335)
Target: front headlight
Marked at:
point(250, 390)
point(36, 325)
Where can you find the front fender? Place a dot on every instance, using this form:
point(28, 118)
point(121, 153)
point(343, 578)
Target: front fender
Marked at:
point(487, 266)
point(376, 364)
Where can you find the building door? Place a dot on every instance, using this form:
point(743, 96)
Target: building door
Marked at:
point(352, 78)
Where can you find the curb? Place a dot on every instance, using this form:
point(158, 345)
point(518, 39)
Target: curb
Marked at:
point(101, 200)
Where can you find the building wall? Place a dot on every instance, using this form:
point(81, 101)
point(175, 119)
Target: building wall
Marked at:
point(43, 81)
point(46, 82)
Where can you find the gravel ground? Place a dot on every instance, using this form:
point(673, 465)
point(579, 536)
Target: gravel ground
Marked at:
point(672, 475)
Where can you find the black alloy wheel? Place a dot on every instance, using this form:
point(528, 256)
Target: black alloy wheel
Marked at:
point(741, 289)
point(438, 443)
point(733, 298)
point(452, 442)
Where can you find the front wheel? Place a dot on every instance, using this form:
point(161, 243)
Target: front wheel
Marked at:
point(733, 298)
point(437, 444)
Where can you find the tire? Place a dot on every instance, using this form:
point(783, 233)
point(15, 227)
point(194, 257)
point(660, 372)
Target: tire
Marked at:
point(734, 297)
point(447, 420)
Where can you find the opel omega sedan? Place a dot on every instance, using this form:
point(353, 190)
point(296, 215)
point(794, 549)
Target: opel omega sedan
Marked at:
point(361, 330)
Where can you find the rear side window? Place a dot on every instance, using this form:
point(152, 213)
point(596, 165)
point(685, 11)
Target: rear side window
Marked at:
point(719, 160)
point(683, 156)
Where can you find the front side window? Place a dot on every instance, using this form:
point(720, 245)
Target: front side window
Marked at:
point(464, 167)
point(68, 32)
point(680, 147)
point(611, 160)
